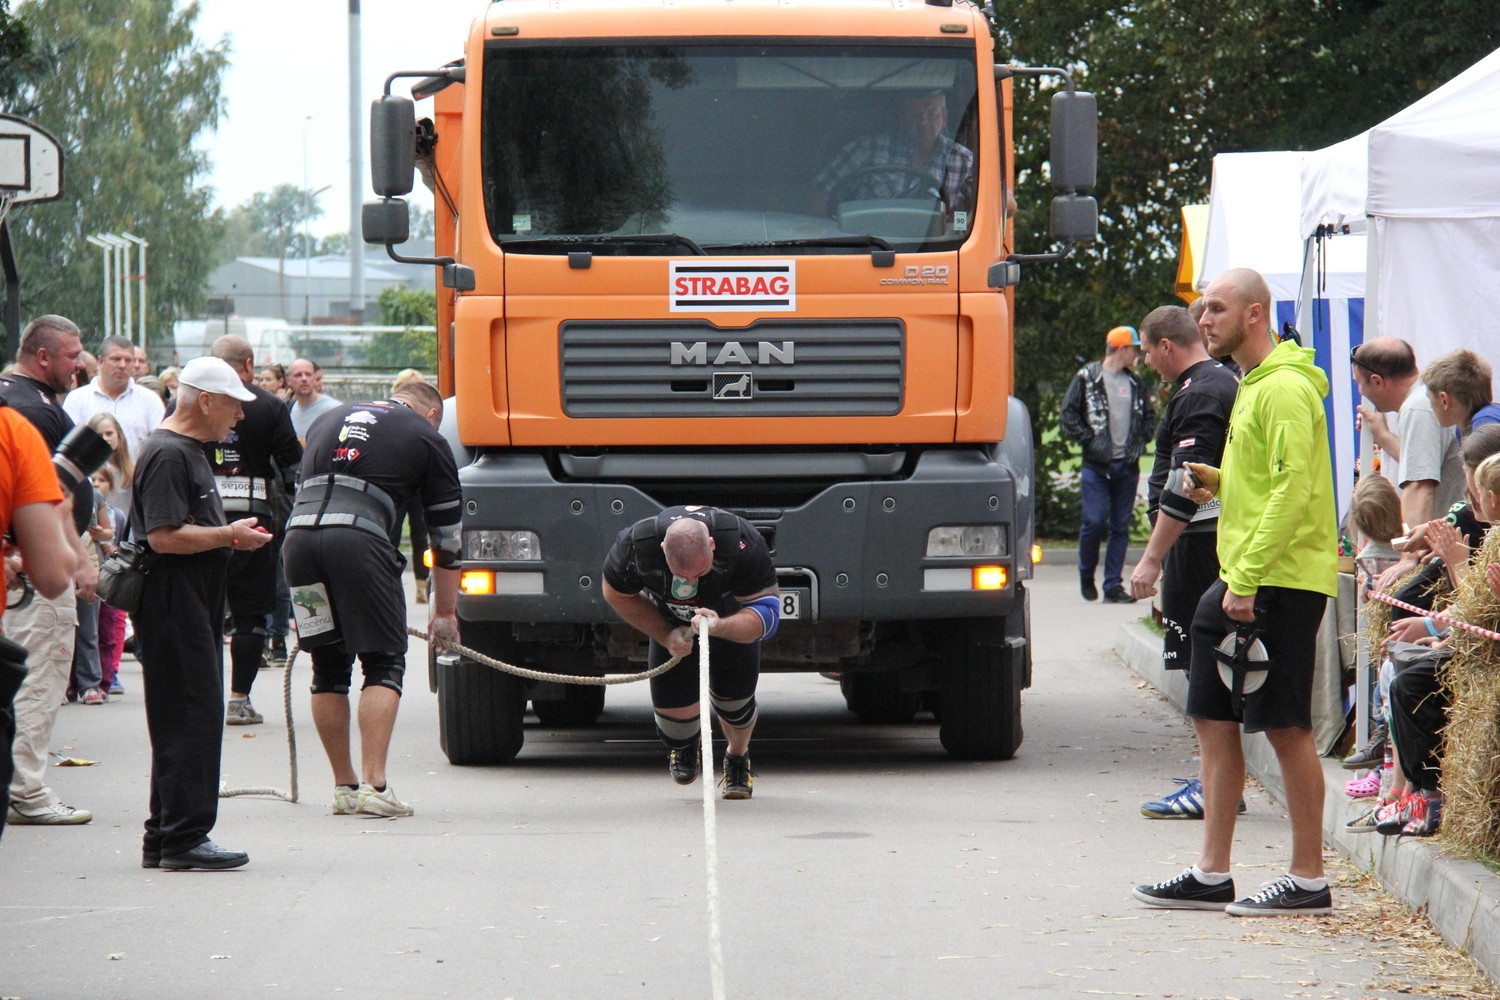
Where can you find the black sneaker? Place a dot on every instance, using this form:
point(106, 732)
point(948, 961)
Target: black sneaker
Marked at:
point(1087, 589)
point(1185, 892)
point(1282, 898)
point(1118, 595)
point(684, 763)
point(1372, 754)
point(738, 778)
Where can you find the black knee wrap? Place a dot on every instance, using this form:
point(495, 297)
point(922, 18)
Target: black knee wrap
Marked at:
point(736, 714)
point(331, 670)
point(383, 669)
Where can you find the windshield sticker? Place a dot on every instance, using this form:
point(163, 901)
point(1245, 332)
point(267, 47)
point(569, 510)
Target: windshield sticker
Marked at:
point(520, 223)
point(758, 286)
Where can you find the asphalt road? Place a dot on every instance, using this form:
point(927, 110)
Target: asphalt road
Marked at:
point(867, 864)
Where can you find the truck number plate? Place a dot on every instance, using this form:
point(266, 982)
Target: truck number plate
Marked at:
point(791, 604)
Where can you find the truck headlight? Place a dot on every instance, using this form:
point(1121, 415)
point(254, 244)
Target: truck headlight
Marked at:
point(967, 540)
point(490, 546)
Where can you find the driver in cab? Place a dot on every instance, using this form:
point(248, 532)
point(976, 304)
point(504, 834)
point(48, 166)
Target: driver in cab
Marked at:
point(917, 160)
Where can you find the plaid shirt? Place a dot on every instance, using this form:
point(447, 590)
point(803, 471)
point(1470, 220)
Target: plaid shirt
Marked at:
point(951, 167)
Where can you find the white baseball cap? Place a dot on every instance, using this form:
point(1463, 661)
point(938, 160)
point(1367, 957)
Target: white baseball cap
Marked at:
point(214, 375)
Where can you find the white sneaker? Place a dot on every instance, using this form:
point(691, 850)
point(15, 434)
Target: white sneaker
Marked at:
point(346, 800)
point(373, 803)
point(239, 712)
point(54, 815)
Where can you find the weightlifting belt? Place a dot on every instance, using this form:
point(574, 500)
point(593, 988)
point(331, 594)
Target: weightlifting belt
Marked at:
point(343, 501)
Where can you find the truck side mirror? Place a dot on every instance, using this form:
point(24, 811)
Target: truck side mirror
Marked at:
point(385, 222)
point(1075, 218)
point(1075, 142)
point(393, 146)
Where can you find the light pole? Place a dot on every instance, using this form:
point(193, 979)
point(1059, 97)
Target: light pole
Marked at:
point(140, 276)
point(109, 316)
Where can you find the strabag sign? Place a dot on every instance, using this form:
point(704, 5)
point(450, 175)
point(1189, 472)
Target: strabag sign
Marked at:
point(739, 286)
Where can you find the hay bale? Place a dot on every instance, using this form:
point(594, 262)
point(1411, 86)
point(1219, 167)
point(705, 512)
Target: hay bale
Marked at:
point(1471, 753)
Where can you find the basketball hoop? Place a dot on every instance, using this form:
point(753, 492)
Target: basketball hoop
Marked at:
point(30, 163)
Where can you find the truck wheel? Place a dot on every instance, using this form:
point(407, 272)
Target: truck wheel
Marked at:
point(981, 696)
point(480, 712)
point(581, 705)
point(875, 696)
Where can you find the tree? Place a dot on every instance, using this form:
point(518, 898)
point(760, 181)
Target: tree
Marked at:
point(16, 57)
point(128, 90)
point(1178, 82)
point(408, 348)
point(272, 223)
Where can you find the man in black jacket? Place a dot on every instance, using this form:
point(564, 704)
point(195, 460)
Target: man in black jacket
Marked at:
point(1106, 410)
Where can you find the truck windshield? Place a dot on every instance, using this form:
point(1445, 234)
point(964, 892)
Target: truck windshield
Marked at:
point(739, 148)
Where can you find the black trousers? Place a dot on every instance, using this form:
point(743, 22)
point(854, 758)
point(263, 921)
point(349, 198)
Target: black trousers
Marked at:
point(182, 665)
point(1419, 711)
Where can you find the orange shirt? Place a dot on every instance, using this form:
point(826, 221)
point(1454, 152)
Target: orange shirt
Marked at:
point(26, 473)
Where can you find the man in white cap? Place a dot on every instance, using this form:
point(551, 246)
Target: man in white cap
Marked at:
point(176, 510)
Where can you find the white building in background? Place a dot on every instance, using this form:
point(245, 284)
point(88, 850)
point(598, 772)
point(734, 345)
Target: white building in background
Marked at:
point(308, 292)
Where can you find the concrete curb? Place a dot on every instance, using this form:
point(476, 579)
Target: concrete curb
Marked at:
point(1461, 897)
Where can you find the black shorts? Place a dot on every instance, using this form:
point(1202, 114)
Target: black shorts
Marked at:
point(733, 672)
point(252, 581)
point(1190, 568)
point(362, 574)
point(1284, 701)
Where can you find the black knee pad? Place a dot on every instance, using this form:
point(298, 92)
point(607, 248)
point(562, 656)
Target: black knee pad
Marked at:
point(679, 734)
point(246, 625)
point(736, 714)
point(332, 669)
point(383, 669)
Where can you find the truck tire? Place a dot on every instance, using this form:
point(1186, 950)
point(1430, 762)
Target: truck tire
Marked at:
point(981, 694)
point(480, 712)
point(580, 706)
point(875, 696)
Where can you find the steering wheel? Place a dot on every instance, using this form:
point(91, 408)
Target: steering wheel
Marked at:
point(917, 182)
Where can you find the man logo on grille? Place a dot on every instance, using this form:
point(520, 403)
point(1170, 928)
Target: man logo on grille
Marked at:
point(732, 385)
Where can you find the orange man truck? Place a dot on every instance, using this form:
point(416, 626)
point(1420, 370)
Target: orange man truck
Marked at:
point(747, 253)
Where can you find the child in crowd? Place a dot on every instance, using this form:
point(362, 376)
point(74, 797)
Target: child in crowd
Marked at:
point(1375, 514)
point(87, 683)
point(112, 621)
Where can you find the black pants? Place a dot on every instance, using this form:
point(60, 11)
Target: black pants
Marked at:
point(182, 666)
point(1419, 711)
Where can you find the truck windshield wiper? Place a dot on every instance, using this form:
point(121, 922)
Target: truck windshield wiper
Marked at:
point(565, 243)
point(857, 242)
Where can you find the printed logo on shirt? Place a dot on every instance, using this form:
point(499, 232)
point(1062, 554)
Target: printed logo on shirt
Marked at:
point(1187, 442)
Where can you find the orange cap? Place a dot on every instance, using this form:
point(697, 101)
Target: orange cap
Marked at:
point(1124, 336)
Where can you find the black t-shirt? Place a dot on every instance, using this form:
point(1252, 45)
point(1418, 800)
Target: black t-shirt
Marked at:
point(174, 486)
point(391, 446)
point(1192, 429)
point(38, 404)
point(745, 571)
point(259, 448)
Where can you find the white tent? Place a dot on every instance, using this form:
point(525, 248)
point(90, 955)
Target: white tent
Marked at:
point(1318, 286)
point(1428, 180)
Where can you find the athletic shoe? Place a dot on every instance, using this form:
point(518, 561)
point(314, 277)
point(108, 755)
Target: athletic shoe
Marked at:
point(383, 803)
point(116, 688)
point(1185, 892)
point(1393, 817)
point(1118, 595)
point(1282, 898)
point(277, 653)
point(738, 778)
point(1426, 816)
point(241, 713)
point(1185, 803)
point(53, 815)
point(684, 764)
point(421, 591)
point(1372, 754)
point(1365, 823)
point(1364, 788)
point(345, 800)
point(1087, 589)
point(94, 696)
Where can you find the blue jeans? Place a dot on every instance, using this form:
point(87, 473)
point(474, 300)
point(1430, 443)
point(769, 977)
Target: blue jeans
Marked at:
point(1108, 500)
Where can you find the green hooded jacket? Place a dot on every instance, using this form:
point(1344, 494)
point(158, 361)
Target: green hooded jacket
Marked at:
point(1279, 523)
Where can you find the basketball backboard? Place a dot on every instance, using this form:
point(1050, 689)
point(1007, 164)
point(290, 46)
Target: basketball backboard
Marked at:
point(30, 161)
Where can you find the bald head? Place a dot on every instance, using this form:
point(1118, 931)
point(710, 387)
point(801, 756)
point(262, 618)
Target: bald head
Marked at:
point(237, 353)
point(689, 548)
point(1237, 316)
point(1249, 287)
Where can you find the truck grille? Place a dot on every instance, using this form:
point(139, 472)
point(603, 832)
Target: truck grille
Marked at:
point(850, 368)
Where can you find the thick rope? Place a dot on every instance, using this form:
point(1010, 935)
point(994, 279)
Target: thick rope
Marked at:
point(291, 741)
point(1437, 616)
point(473, 654)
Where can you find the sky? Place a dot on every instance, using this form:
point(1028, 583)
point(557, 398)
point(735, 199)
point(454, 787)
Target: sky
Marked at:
point(287, 83)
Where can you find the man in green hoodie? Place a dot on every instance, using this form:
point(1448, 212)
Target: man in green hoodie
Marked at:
point(1278, 549)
